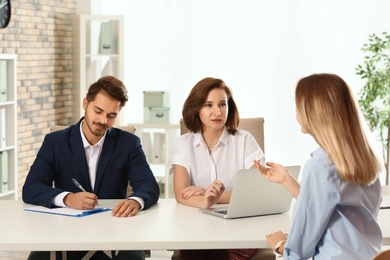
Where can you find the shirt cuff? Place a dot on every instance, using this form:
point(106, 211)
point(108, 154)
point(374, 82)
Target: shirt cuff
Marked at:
point(58, 200)
point(140, 201)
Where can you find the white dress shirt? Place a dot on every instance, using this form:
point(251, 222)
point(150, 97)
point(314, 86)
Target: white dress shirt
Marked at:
point(92, 153)
point(230, 154)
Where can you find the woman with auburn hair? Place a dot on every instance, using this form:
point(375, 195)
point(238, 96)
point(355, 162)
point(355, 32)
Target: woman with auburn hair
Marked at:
point(206, 159)
point(335, 215)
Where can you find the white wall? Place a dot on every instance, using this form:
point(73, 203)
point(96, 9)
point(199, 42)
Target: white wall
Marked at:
point(259, 48)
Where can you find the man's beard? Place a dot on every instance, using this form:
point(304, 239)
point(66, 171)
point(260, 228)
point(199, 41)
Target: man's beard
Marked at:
point(98, 132)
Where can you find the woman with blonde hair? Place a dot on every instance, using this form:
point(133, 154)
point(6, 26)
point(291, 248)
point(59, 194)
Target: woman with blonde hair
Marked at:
point(335, 215)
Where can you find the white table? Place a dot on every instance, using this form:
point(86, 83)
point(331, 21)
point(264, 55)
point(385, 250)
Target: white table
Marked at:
point(167, 225)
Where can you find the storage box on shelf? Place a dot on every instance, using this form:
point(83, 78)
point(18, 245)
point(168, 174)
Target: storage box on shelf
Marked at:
point(156, 115)
point(8, 130)
point(157, 141)
point(156, 108)
point(99, 53)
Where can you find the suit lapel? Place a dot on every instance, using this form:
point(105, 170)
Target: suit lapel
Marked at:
point(79, 155)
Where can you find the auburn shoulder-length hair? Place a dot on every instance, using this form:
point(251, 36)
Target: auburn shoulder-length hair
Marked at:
point(329, 112)
point(196, 100)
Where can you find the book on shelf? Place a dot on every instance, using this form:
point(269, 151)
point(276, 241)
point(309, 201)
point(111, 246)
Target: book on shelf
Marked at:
point(3, 171)
point(158, 147)
point(3, 81)
point(108, 69)
point(147, 145)
point(93, 71)
point(105, 38)
point(2, 128)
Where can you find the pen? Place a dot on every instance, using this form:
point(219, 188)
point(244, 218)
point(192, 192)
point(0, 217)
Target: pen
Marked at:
point(78, 185)
point(385, 207)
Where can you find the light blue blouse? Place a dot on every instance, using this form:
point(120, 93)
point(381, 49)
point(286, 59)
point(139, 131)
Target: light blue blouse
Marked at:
point(333, 219)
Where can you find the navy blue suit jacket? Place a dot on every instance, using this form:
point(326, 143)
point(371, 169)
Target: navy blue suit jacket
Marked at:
point(62, 157)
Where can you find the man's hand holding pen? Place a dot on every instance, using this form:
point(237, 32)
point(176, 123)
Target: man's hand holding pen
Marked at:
point(81, 200)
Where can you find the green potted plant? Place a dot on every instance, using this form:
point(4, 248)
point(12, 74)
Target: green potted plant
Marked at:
point(375, 95)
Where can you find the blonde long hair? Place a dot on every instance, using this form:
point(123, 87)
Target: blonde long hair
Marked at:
point(331, 115)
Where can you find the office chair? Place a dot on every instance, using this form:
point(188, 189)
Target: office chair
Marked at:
point(384, 255)
point(255, 126)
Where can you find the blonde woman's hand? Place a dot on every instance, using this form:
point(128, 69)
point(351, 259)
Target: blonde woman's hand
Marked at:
point(274, 172)
point(277, 173)
point(277, 241)
point(213, 193)
point(192, 191)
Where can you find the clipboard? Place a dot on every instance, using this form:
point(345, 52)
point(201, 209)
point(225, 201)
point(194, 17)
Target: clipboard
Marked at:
point(67, 211)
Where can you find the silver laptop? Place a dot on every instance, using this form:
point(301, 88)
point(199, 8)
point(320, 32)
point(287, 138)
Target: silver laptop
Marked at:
point(254, 195)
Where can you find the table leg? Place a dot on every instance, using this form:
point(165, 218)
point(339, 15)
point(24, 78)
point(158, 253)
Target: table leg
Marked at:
point(88, 255)
point(53, 255)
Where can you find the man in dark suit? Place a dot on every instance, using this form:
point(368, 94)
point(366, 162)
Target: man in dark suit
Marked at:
point(101, 158)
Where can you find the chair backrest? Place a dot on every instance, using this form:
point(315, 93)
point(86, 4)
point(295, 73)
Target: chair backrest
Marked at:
point(129, 128)
point(55, 128)
point(384, 255)
point(255, 126)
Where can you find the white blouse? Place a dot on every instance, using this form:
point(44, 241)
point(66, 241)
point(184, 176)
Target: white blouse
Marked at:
point(230, 154)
